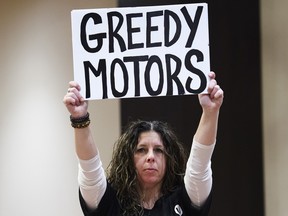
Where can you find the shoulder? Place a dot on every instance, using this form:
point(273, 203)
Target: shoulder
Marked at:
point(179, 202)
point(108, 205)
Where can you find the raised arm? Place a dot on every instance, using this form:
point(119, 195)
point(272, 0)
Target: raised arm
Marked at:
point(91, 177)
point(77, 106)
point(198, 176)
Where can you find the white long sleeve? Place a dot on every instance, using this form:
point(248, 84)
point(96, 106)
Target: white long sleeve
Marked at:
point(198, 176)
point(92, 181)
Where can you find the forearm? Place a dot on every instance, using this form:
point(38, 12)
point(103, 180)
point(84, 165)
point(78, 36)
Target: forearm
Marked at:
point(84, 143)
point(198, 176)
point(91, 176)
point(207, 129)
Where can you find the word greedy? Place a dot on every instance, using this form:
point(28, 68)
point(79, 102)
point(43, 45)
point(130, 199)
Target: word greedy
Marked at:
point(113, 31)
point(94, 42)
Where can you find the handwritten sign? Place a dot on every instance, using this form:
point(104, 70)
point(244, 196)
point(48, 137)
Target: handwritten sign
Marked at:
point(141, 51)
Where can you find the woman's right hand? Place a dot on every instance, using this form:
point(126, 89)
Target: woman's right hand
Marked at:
point(74, 102)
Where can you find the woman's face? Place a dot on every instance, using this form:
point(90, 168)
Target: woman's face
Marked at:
point(150, 160)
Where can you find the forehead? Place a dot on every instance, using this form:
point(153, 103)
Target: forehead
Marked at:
point(150, 137)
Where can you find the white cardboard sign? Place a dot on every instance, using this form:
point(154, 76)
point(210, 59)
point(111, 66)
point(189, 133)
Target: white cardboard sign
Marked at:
point(141, 51)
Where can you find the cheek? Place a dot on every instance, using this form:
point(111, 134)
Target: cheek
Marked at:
point(137, 162)
point(162, 163)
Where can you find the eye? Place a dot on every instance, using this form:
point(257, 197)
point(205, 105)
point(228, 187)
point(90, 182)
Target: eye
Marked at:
point(140, 150)
point(159, 150)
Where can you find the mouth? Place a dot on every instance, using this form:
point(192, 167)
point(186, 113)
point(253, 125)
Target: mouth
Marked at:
point(150, 169)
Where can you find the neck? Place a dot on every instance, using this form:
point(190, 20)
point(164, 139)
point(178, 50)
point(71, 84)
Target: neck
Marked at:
point(149, 196)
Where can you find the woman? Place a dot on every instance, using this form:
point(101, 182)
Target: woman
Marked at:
point(148, 174)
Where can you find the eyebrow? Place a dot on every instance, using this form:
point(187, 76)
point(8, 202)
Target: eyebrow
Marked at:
point(157, 145)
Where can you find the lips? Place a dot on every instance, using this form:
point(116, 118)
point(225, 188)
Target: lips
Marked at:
point(150, 169)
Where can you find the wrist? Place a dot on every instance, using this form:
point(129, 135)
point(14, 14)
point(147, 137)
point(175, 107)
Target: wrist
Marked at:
point(80, 122)
point(210, 111)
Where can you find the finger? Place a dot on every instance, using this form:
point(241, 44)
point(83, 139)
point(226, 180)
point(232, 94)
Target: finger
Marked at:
point(211, 85)
point(69, 100)
point(213, 92)
point(75, 94)
point(74, 84)
point(75, 91)
point(212, 75)
point(219, 94)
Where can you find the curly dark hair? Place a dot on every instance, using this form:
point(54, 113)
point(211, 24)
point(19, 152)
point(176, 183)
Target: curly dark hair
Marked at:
point(121, 171)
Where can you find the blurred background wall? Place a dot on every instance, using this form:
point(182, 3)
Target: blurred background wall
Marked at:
point(38, 167)
point(274, 19)
point(37, 160)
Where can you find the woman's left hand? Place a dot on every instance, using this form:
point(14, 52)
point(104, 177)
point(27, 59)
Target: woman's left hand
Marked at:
point(214, 99)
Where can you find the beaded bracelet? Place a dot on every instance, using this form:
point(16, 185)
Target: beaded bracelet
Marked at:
point(81, 122)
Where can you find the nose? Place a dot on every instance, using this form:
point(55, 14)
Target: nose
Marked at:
point(150, 156)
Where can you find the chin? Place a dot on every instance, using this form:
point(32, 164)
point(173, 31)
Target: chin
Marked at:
point(151, 181)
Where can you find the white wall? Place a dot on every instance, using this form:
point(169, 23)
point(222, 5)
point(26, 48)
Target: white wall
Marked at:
point(37, 161)
point(275, 104)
